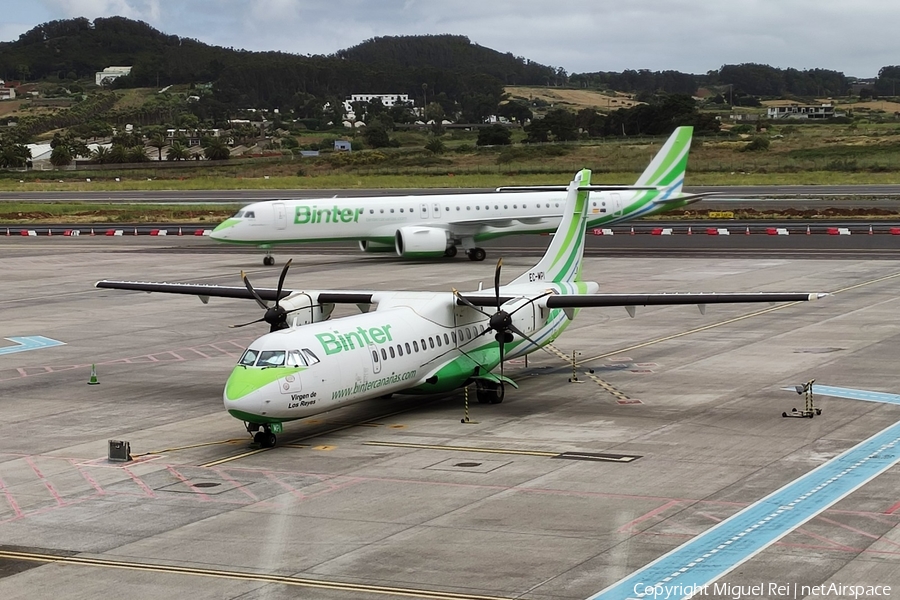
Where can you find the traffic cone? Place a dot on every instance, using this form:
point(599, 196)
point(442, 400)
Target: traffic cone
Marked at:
point(807, 230)
point(748, 231)
point(49, 231)
point(92, 231)
point(135, 231)
point(689, 231)
point(7, 231)
point(179, 231)
point(870, 230)
point(93, 379)
point(632, 230)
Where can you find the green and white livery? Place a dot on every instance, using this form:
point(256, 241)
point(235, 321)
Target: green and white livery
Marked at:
point(413, 342)
point(438, 225)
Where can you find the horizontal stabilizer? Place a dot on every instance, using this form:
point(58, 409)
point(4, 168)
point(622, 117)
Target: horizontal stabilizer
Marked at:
point(586, 188)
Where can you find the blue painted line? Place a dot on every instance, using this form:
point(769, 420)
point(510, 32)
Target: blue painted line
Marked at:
point(32, 342)
point(853, 394)
point(686, 570)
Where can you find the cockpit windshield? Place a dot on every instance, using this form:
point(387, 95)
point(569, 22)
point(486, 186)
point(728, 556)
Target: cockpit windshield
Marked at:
point(278, 358)
point(249, 357)
point(271, 358)
point(239, 214)
point(250, 214)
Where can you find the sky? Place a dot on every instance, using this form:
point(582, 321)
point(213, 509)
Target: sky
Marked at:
point(691, 36)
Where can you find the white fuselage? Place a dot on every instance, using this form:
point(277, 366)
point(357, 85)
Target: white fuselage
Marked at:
point(418, 342)
point(472, 217)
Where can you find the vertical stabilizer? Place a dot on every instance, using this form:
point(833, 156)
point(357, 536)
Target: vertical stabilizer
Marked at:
point(668, 166)
point(562, 261)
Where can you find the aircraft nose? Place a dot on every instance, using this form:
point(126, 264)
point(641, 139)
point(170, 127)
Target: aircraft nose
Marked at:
point(244, 394)
point(223, 229)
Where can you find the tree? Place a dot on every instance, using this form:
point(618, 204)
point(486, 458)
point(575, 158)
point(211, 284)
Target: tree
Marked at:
point(14, 156)
point(515, 111)
point(158, 141)
point(435, 146)
point(61, 156)
point(177, 151)
point(100, 156)
point(495, 135)
point(434, 113)
point(216, 149)
point(377, 136)
point(136, 154)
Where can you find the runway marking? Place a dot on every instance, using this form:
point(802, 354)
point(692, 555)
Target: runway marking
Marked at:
point(734, 320)
point(725, 546)
point(852, 394)
point(30, 342)
point(242, 576)
point(200, 445)
point(621, 458)
point(235, 457)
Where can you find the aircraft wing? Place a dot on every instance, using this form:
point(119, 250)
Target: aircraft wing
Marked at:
point(205, 292)
point(663, 299)
point(583, 188)
point(688, 198)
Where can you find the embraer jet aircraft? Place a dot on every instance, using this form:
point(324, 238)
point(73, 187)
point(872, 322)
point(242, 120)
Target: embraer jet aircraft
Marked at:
point(413, 342)
point(432, 226)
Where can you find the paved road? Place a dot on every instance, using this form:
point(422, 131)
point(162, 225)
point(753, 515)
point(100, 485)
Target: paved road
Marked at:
point(760, 195)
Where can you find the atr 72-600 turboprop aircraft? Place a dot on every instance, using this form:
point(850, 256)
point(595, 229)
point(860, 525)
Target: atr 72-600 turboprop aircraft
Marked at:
point(432, 226)
point(413, 342)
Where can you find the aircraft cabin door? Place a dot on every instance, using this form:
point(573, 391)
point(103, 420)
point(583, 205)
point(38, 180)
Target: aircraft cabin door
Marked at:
point(616, 203)
point(280, 215)
point(376, 360)
point(423, 210)
point(436, 210)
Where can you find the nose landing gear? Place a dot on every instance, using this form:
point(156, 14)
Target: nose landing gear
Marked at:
point(264, 436)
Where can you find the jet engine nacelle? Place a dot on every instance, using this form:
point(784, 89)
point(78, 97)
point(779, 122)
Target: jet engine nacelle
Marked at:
point(302, 310)
point(367, 246)
point(420, 242)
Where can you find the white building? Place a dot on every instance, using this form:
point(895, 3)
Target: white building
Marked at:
point(108, 74)
point(7, 93)
point(803, 111)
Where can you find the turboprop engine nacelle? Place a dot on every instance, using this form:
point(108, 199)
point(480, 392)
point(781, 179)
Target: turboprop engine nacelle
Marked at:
point(367, 246)
point(302, 311)
point(525, 315)
point(420, 242)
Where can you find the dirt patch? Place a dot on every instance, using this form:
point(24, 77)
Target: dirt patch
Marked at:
point(575, 99)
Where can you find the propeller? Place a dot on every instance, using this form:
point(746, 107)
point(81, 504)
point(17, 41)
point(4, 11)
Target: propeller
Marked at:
point(275, 316)
point(501, 322)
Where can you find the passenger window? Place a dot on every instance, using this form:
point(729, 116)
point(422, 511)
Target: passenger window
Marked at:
point(477, 208)
point(453, 336)
point(311, 358)
point(408, 351)
point(431, 343)
point(437, 338)
point(383, 354)
point(423, 345)
point(391, 349)
point(381, 210)
point(401, 210)
point(446, 339)
point(248, 358)
point(374, 356)
point(416, 346)
point(371, 211)
point(271, 358)
point(468, 333)
point(400, 349)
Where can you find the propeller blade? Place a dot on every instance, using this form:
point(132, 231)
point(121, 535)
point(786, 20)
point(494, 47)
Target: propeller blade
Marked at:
point(467, 303)
point(497, 281)
point(250, 323)
point(284, 271)
point(501, 342)
point(522, 335)
point(256, 297)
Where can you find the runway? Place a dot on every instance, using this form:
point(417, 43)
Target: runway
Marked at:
point(397, 498)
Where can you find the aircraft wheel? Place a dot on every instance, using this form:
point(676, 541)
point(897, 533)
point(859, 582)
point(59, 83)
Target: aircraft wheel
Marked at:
point(450, 252)
point(269, 261)
point(497, 394)
point(476, 254)
point(265, 439)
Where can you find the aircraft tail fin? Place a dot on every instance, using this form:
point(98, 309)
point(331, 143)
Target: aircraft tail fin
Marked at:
point(562, 261)
point(668, 166)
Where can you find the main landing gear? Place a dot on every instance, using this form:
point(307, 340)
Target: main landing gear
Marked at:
point(450, 252)
point(263, 437)
point(476, 254)
point(489, 392)
point(268, 260)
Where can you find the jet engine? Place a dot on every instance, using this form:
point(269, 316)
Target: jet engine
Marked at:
point(367, 246)
point(420, 242)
